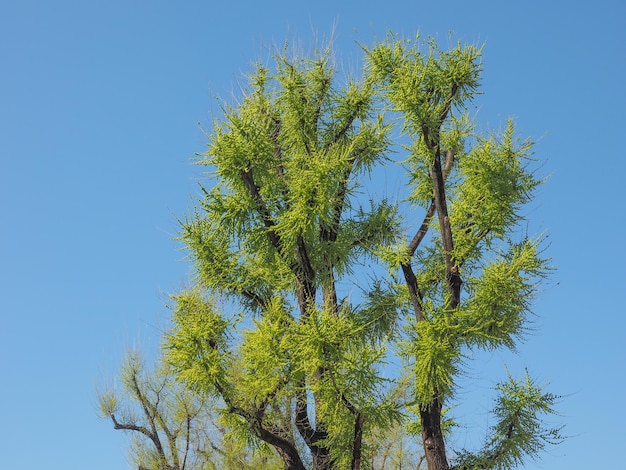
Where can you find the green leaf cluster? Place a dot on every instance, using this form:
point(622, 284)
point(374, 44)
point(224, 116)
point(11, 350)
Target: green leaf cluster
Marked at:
point(519, 430)
point(196, 344)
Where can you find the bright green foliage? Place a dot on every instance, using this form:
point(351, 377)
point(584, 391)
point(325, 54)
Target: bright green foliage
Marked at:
point(279, 225)
point(472, 283)
point(422, 87)
point(495, 314)
point(435, 358)
point(195, 342)
point(284, 234)
point(519, 430)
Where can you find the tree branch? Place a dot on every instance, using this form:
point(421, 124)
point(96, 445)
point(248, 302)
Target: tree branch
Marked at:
point(145, 404)
point(305, 275)
point(359, 419)
point(286, 449)
point(325, 82)
point(346, 125)
point(453, 278)
point(409, 276)
point(256, 299)
point(131, 427)
point(248, 179)
point(414, 291)
point(171, 435)
point(188, 419)
point(357, 442)
point(454, 89)
point(421, 233)
point(302, 268)
point(303, 424)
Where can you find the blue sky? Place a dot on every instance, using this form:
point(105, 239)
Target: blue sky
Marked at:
point(99, 105)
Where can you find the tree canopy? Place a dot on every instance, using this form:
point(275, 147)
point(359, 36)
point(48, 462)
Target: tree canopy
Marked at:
point(310, 284)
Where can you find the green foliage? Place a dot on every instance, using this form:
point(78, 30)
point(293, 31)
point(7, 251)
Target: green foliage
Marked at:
point(196, 343)
point(284, 232)
point(418, 83)
point(422, 87)
point(495, 313)
point(519, 430)
point(294, 143)
point(495, 185)
point(436, 358)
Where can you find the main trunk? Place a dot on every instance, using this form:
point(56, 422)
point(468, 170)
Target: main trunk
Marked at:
point(432, 437)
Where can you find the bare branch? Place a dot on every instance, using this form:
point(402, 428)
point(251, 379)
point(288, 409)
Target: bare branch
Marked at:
point(149, 411)
point(131, 427)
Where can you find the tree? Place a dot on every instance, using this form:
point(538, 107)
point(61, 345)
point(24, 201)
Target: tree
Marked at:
point(291, 320)
point(172, 428)
point(394, 449)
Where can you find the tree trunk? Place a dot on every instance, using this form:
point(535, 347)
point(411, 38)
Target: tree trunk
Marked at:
point(358, 442)
point(432, 437)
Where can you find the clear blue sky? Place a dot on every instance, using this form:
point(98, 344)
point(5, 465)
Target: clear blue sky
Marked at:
point(99, 105)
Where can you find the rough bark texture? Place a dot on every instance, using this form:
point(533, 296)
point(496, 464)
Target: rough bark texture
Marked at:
point(434, 446)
